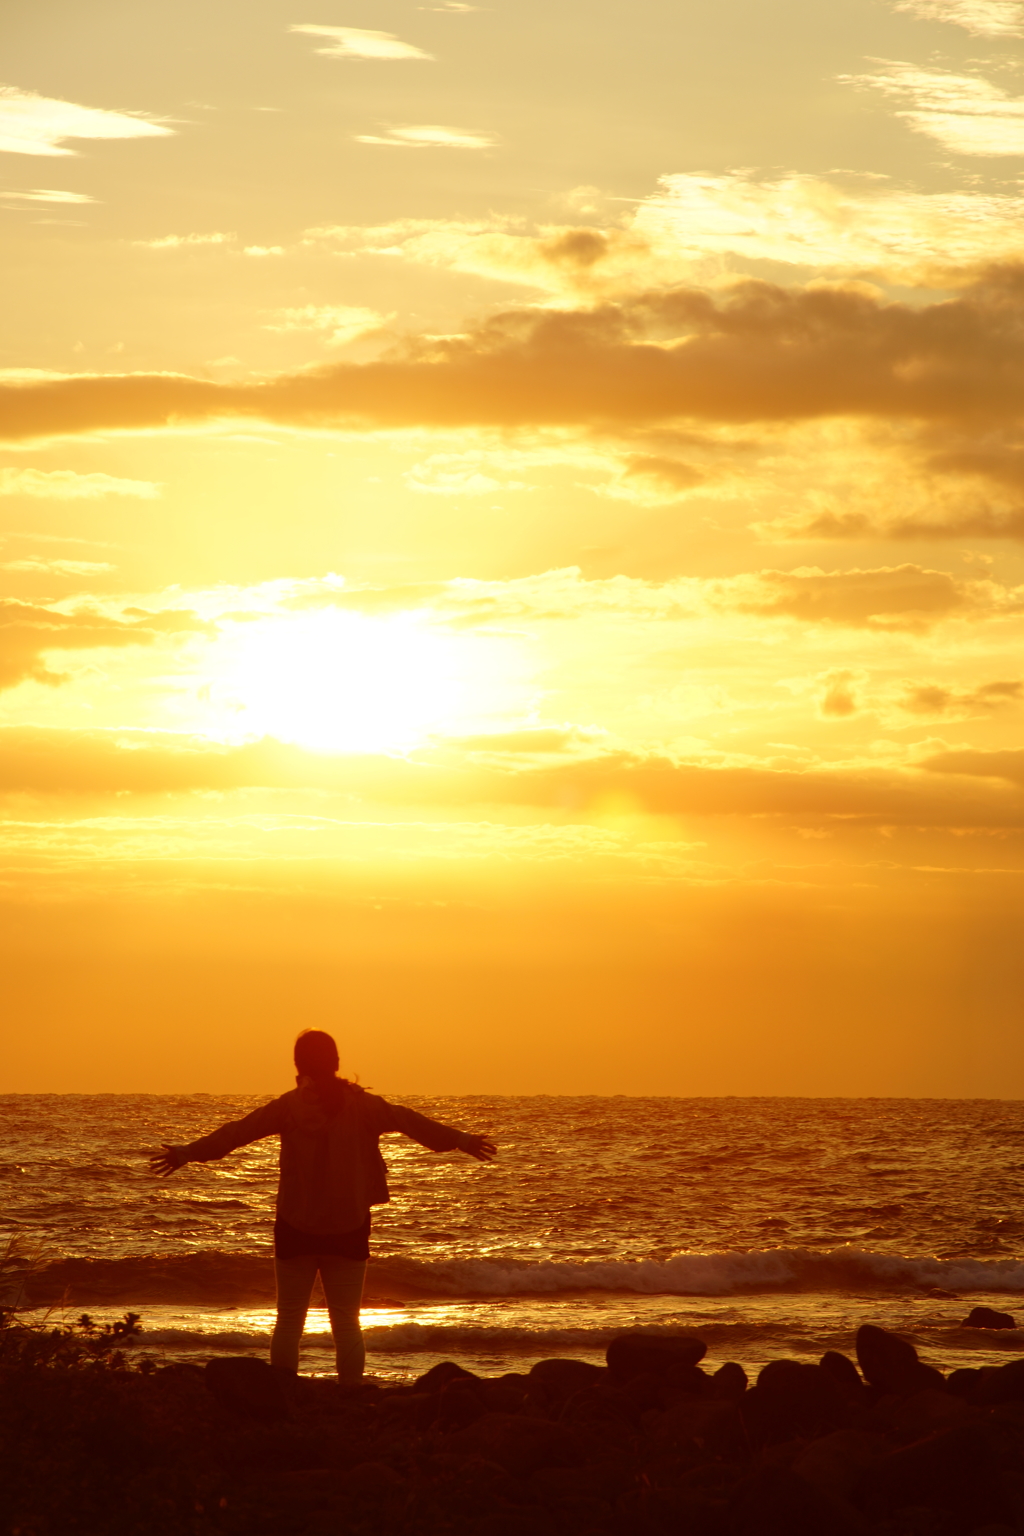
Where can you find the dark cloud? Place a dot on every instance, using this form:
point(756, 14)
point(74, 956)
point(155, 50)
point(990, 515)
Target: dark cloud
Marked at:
point(756, 352)
point(838, 699)
point(1008, 765)
point(662, 474)
point(904, 597)
point(74, 763)
point(935, 699)
point(29, 633)
point(976, 523)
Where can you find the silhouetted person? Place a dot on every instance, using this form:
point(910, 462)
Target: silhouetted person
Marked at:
point(331, 1174)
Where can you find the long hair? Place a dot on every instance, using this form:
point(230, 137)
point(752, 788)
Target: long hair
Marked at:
point(316, 1057)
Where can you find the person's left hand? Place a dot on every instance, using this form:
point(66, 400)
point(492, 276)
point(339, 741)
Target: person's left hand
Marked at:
point(164, 1162)
point(480, 1147)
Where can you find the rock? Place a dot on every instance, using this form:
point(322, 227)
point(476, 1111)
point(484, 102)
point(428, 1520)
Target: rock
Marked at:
point(963, 1382)
point(774, 1501)
point(794, 1398)
point(251, 1387)
point(914, 1415)
point(440, 1375)
point(712, 1428)
point(958, 1472)
point(551, 1382)
point(999, 1384)
point(519, 1444)
point(461, 1401)
point(729, 1382)
point(844, 1371)
point(987, 1317)
point(891, 1364)
point(639, 1353)
point(835, 1464)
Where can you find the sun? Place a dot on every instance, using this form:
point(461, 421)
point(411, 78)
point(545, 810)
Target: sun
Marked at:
point(345, 682)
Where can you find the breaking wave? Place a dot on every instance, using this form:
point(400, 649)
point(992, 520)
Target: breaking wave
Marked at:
point(214, 1278)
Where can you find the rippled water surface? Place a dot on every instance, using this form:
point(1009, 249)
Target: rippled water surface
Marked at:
point(776, 1224)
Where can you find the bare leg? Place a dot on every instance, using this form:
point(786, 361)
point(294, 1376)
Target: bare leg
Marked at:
point(343, 1288)
point(295, 1279)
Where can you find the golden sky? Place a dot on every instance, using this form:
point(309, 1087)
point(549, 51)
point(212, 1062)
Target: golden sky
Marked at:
point(511, 524)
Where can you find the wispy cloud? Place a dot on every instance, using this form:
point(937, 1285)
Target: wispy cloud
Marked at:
point(172, 242)
point(59, 567)
point(38, 125)
point(982, 18)
point(355, 43)
point(339, 323)
point(429, 136)
point(45, 195)
point(67, 485)
point(830, 224)
point(964, 113)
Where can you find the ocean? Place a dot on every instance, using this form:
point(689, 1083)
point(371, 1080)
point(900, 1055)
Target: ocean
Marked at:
point(773, 1226)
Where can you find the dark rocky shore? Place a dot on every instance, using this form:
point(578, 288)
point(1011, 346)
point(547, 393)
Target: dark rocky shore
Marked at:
point(655, 1443)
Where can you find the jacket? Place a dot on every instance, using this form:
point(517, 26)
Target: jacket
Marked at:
point(332, 1171)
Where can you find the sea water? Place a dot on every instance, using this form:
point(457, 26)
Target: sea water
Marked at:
point(774, 1226)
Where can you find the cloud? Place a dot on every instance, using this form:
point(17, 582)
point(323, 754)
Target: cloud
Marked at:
point(753, 352)
point(44, 761)
point(977, 523)
point(461, 474)
point(905, 597)
point(964, 113)
point(982, 18)
point(353, 43)
point(68, 485)
point(38, 125)
point(937, 701)
point(263, 250)
point(838, 698)
point(172, 242)
point(340, 323)
point(45, 195)
point(430, 136)
point(653, 479)
point(834, 224)
point(30, 632)
point(59, 567)
point(1008, 764)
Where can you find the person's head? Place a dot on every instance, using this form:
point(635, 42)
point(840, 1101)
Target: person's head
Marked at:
point(316, 1055)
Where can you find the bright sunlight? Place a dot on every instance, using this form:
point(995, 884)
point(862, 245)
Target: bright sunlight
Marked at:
point(341, 682)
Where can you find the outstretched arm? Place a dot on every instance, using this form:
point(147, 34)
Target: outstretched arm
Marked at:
point(265, 1121)
point(430, 1133)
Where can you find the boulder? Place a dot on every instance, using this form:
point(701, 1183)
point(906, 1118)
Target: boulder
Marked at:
point(774, 1501)
point(794, 1398)
point(440, 1375)
point(639, 1353)
point(835, 1464)
point(461, 1400)
point(958, 1472)
point(999, 1384)
point(518, 1443)
point(844, 1371)
point(891, 1364)
point(251, 1388)
point(987, 1317)
point(729, 1382)
point(551, 1382)
point(711, 1428)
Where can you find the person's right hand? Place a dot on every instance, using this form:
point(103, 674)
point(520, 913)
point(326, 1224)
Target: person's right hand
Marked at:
point(480, 1147)
point(164, 1162)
